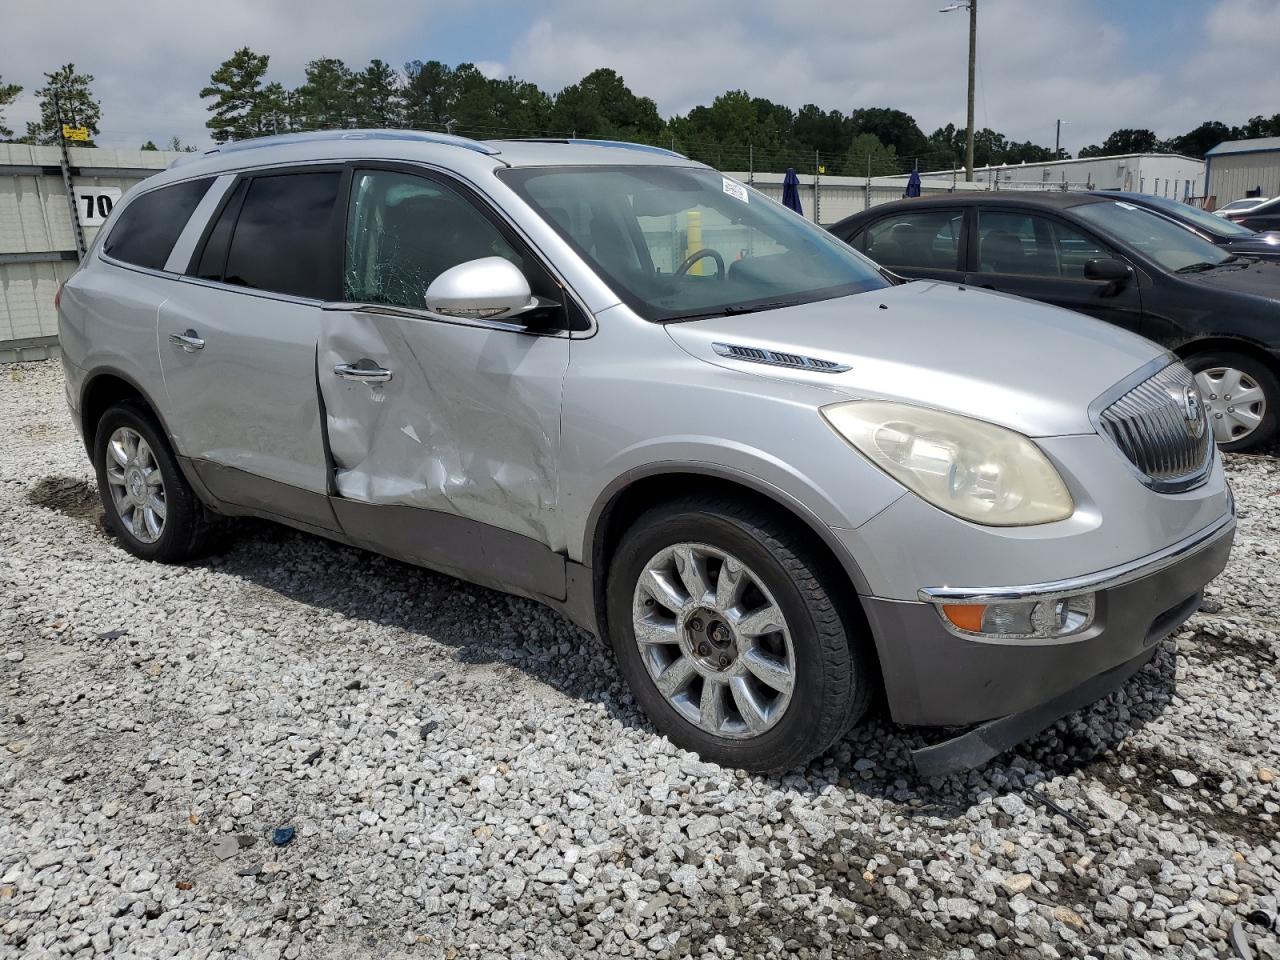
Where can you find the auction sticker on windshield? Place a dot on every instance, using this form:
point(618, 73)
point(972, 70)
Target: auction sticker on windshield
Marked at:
point(734, 189)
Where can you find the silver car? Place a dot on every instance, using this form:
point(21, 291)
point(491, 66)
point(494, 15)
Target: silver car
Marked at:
point(779, 481)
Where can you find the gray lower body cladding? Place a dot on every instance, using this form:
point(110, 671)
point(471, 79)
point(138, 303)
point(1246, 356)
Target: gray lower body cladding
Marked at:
point(935, 678)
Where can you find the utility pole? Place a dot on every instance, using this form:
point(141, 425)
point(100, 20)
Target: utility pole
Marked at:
point(972, 7)
point(81, 247)
point(1057, 140)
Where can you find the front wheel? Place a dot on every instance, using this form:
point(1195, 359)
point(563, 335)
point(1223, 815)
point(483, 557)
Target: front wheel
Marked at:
point(727, 629)
point(149, 506)
point(1242, 397)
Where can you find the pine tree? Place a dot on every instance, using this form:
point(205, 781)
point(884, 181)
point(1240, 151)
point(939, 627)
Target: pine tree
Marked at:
point(75, 101)
point(327, 98)
point(8, 93)
point(378, 96)
point(238, 109)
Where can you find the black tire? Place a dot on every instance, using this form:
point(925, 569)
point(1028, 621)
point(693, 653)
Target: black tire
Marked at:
point(189, 530)
point(1263, 376)
point(834, 675)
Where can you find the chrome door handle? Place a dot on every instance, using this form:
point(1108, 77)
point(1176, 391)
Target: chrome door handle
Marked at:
point(349, 371)
point(187, 341)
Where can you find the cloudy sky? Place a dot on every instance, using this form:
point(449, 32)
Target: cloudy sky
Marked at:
point(1099, 64)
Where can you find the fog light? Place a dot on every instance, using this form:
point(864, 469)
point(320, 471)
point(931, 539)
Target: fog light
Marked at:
point(1033, 619)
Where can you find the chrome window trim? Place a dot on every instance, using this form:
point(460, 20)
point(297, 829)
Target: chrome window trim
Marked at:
point(1102, 580)
point(409, 313)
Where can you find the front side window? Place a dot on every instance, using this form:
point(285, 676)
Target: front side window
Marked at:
point(149, 226)
point(678, 243)
point(283, 237)
point(1025, 243)
point(1171, 246)
point(403, 231)
point(928, 239)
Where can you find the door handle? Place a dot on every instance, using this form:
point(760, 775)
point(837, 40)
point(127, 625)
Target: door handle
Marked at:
point(350, 371)
point(187, 341)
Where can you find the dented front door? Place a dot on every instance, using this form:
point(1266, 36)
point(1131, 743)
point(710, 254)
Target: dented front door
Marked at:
point(466, 421)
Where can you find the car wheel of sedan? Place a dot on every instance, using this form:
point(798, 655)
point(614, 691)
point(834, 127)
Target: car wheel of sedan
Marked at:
point(149, 505)
point(1242, 396)
point(727, 628)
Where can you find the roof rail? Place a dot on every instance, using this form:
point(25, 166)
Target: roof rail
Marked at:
point(312, 136)
point(619, 144)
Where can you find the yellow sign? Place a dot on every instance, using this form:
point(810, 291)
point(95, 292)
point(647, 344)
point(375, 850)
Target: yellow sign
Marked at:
point(75, 133)
point(822, 168)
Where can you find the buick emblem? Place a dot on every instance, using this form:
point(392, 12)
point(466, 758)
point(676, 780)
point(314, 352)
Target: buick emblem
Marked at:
point(1189, 401)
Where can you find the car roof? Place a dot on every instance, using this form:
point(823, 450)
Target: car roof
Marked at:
point(1042, 199)
point(468, 157)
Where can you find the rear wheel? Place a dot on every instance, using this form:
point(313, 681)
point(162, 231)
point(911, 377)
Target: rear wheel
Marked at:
point(726, 627)
point(1242, 397)
point(149, 505)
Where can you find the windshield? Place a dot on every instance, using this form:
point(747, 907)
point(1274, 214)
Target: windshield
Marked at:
point(1173, 247)
point(678, 243)
point(1218, 226)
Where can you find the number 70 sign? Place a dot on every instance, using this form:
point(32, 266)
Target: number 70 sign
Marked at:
point(93, 204)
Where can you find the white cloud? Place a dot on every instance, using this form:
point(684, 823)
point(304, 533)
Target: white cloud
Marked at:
point(149, 58)
point(1038, 61)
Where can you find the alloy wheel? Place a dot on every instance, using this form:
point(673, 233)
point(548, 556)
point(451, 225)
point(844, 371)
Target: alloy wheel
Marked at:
point(136, 484)
point(1237, 403)
point(714, 640)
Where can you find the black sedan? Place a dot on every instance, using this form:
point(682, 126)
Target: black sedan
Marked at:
point(1115, 261)
point(1265, 216)
point(1217, 230)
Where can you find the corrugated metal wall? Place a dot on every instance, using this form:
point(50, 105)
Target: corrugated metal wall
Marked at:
point(37, 240)
point(1233, 175)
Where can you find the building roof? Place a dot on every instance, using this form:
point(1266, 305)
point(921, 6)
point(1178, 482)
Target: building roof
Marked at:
point(1070, 161)
point(1257, 145)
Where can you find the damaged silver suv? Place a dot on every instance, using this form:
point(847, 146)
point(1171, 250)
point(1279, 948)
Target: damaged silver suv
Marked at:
point(779, 481)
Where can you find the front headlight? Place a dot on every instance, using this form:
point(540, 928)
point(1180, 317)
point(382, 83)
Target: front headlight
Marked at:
point(970, 468)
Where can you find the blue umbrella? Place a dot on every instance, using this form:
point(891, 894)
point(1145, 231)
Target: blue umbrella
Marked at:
point(791, 191)
point(913, 184)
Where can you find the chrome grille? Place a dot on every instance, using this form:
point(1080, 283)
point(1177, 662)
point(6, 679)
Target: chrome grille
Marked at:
point(1161, 427)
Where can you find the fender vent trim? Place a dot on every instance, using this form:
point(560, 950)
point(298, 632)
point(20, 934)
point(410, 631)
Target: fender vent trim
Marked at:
point(776, 358)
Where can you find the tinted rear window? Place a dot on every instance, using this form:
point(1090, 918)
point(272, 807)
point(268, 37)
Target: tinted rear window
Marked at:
point(150, 225)
point(284, 237)
point(214, 258)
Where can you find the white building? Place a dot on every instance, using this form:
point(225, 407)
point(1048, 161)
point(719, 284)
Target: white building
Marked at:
point(1242, 168)
point(1161, 174)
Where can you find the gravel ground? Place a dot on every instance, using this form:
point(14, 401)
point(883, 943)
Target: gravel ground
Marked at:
point(467, 776)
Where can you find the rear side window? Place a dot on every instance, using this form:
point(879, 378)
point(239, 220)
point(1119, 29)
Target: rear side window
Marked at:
point(150, 225)
point(283, 237)
point(928, 239)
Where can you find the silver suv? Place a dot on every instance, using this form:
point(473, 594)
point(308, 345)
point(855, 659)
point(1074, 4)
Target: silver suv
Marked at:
point(778, 480)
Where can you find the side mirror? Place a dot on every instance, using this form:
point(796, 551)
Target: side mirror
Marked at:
point(490, 288)
point(1106, 269)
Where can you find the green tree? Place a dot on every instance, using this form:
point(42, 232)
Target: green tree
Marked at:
point(737, 128)
point(428, 94)
point(8, 93)
point(240, 107)
point(893, 128)
point(1258, 127)
point(176, 144)
point(378, 96)
point(867, 153)
point(1126, 141)
point(75, 101)
point(149, 145)
point(1195, 142)
point(328, 97)
point(602, 105)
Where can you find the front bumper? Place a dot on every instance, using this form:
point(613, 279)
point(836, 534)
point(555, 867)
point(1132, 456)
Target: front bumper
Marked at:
point(934, 677)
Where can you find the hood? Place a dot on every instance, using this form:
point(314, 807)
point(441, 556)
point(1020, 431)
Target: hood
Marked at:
point(1015, 362)
point(1259, 278)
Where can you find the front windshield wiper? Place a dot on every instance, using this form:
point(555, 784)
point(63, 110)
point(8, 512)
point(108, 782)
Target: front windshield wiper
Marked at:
point(1199, 267)
point(732, 310)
